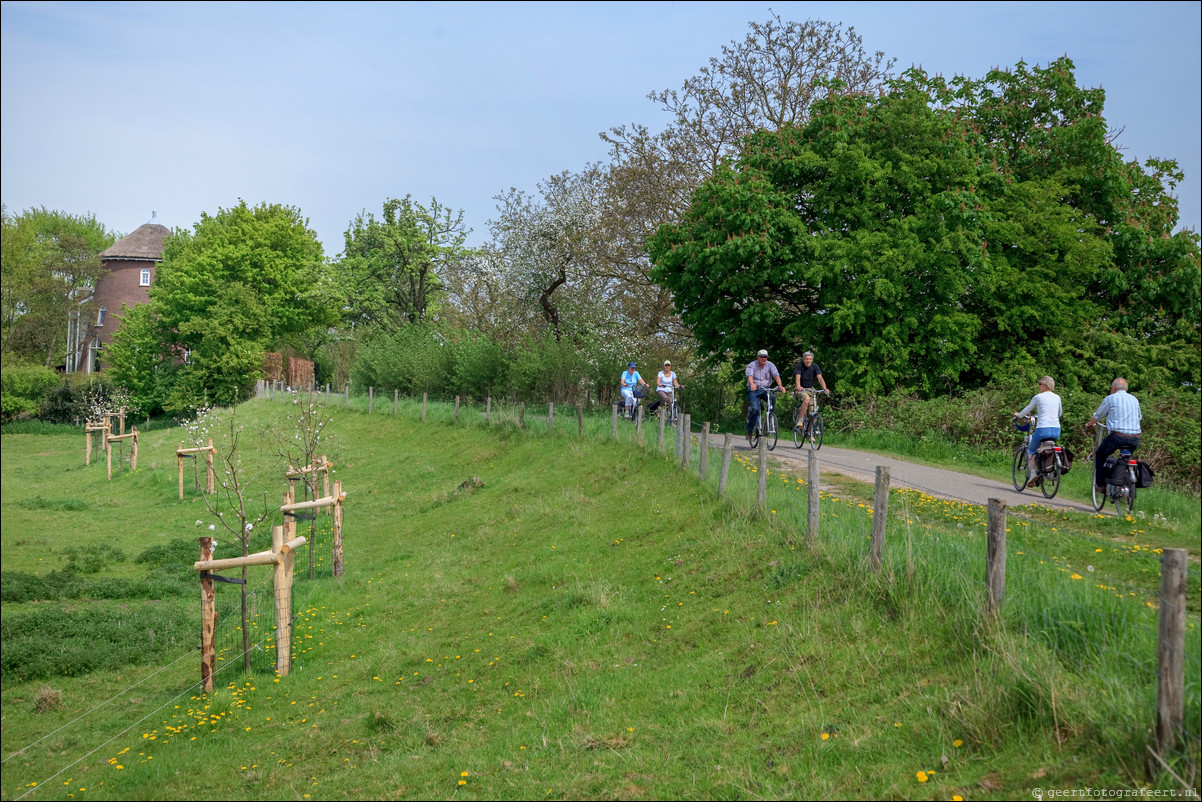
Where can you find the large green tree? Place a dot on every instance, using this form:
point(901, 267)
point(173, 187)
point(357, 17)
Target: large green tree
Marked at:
point(939, 235)
point(241, 281)
point(50, 264)
point(393, 267)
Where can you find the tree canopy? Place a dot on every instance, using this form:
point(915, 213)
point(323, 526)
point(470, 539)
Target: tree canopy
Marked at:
point(240, 281)
point(939, 235)
point(50, 264)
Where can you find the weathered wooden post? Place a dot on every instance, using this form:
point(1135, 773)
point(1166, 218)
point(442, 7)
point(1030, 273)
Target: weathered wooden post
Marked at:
point(208, 619)
point(995, 558)
point(282, 576)
point(522, 415)
point(880, 510)
point(488, 408)
point(133, 454)
point(551, 417)
point(371, 398)
point(121, 417)
point(346, 396)
point(761, 494)
point(211, 481)
point(425, 396)
point(337, 551)
point(812, 513)
point(705, 451)
point(108, 453)
point(686, 441)
point(455, 417)
point(396, 396)
point(179, 458)
point(579, 420)
point(1170, 650)
point(325, 477)
point(727, 443)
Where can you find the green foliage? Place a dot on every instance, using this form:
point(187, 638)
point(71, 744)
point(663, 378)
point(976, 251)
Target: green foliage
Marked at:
point(140, 358)
point(391, 269)
point(241, 281)
point(23, 387)
point(942, 236)
point(91, 558)
point(50, 261)
point(88, 639)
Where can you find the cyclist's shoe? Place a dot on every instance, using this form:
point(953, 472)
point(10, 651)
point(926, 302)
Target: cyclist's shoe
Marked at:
point(1033, 481)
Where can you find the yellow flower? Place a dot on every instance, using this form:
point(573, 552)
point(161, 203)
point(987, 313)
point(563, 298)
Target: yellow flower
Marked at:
point(825, 735)
point(922, 776)
point(957, 743)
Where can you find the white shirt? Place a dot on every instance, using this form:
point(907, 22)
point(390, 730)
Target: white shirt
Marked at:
point(1048, 410)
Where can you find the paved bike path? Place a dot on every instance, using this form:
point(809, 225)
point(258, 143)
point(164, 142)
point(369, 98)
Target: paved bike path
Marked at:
point(933, 481)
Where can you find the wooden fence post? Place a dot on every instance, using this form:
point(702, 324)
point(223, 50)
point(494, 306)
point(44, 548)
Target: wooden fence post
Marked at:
point(108, 452)
point(488, 408)
point(551, 418)
point(133, 454)
point(662, 423)
point(686, 440)
point(727, 443)
point(761, 494)
point(396, 396)
point(812, 478)
point(455, 417)
point(282, 574)
point(371, 398)
point(211, 480)
point(995, 558)
point(87, 450)
point(880, 510)
point(179, 458)
point(579, 420)
point(705, 451)
point(1170, 650)
point(424, 397)
point(336, 559)
point(208, 619)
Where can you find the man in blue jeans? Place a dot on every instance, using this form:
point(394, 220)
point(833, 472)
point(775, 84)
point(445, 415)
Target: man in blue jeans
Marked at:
point(1121, 413)
point(760, 375)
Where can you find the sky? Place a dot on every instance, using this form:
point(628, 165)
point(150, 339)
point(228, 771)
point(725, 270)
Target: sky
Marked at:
point(124, 109)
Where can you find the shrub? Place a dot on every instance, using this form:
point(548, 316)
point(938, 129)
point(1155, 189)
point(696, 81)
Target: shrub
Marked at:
point(22, 387)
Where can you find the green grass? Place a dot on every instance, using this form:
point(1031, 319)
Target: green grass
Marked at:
point(592, 622)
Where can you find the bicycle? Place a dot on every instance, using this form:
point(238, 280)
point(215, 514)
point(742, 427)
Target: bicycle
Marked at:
point(813, 428)
point(1047, 472)
point(766, 427)
point(673, 408)
point(1120, 493)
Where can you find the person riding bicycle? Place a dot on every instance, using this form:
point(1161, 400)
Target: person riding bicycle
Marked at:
point(805, 373)
point(630, 380)
point(665, 387)
point(1121, 413)
point(1048, 409)
point(760, 375)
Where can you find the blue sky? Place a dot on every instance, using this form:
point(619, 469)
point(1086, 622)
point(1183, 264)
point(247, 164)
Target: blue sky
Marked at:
point(119, 109)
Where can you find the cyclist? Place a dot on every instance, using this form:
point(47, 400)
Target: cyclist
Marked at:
point(1048, 409)
point(805, 373)
point(760, 375)
point(665, 387)
point(1120, 410)
point(630, 379)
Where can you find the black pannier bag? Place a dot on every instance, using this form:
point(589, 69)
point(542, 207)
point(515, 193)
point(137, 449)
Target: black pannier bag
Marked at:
point(1116, 471)
point(1047, 456)
point(1144, 475)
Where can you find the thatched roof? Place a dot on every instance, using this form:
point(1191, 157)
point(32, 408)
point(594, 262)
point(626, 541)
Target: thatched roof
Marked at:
point(146, 242)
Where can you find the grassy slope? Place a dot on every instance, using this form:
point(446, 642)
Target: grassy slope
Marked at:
point(590, 623)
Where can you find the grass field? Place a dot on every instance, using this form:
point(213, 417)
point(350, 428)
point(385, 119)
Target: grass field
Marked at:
point(592, 622)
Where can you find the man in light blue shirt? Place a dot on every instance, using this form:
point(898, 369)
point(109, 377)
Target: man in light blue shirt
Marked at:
point(1120, 410)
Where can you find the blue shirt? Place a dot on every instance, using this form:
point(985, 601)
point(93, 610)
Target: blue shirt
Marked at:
point(631, 379)
point(1120, 411)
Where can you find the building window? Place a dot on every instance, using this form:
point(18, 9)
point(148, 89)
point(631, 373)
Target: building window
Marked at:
point(144, 281)
point(187, 356)
point(100, 316)
point(94, 355)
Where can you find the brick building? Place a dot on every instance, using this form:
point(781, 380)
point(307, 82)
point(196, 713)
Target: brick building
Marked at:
point(130, 264)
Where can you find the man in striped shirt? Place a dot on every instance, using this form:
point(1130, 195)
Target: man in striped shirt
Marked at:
point(1120, 410)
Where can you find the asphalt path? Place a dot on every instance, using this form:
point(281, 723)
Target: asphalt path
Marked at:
point(932, 481)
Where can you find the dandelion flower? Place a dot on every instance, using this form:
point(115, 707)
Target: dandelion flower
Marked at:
point(922, 776)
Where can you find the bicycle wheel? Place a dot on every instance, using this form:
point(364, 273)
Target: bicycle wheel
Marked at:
point(772, 434)
point(816, 428)
point(755, 433)
point(1099, 499)
point(1018, 473)
point(1130, 498)
point(799, 434)
point(1050, 480)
